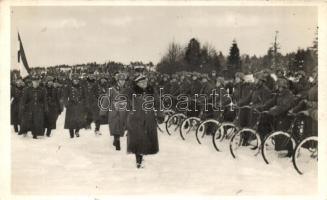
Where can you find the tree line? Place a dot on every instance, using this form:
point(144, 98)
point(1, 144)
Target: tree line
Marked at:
point(205, 58)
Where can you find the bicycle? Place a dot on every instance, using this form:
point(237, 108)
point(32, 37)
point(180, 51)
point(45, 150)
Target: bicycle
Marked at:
point(302, 150)
point(278, 144)
point(174, 122)
point(227, 128)
point(167, 114)
point(247, 138)
point(307, 146)
point(190, 124)
point(203, 127)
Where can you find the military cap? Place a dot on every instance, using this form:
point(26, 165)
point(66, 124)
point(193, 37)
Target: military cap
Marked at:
point(205, 76)
point(140, 78)
point(49, 78)
point(281, 82)
point(301, 72)
point(120, 76)
point(261, 77)
point(279, 70)
point(91, 76)
point(35, 77)
point(75, 76)
point(220, 79)
point(239, 75)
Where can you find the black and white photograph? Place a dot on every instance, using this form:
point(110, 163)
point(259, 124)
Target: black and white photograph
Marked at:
point(186, 99)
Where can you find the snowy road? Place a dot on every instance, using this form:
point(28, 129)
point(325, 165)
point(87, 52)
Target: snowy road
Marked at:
point(89, 165)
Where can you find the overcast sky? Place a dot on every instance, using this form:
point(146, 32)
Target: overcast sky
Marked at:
point(72, 35)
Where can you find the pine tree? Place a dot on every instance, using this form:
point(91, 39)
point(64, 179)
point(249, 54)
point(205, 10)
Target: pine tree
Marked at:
point(193, 54)
point(234, 59)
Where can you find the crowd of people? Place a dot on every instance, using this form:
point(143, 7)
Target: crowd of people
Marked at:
point(39, 99)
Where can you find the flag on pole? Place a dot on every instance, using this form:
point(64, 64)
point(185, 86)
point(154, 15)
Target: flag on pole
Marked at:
point(21, 59)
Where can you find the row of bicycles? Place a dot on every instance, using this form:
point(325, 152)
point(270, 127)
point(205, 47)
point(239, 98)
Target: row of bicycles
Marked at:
point(288, 144)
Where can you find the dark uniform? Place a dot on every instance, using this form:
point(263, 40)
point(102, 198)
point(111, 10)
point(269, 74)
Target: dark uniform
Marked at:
point(99, 90)
point(116, 113)
point(310, 104)
point(142, 137)
point(91, 100)
point(76, 113)
point(54, 108)
point(33, 108)
point(258, 96)
point(277, 108)
point(206, 106)
point(16, 94)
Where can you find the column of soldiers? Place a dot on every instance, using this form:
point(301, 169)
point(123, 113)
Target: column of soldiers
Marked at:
point(38, 101)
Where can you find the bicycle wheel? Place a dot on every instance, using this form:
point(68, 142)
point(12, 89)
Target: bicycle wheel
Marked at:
point(188, 127)
point(206, 128)
point(245, 143)
point(174, 122)
point(225, 131)
point(305, 157)
point(278, 146)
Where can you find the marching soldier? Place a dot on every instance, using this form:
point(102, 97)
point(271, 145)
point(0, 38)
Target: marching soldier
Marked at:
point(91, 99)
point(75, 101)
point(99, 90)
point(115, 109)
point(33, 108)
point(60, 87)
point(16, 93)
point(53, 102)
point(142, 138)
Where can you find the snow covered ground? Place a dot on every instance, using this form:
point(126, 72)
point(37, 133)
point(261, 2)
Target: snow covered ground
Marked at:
point(89, 165)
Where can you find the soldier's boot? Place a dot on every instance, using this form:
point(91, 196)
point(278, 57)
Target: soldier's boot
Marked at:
point(117, 142)
point(97, 128)
point(71, 132)
point(139, 159)
point(48, 133)
point(77, 132)
point(88, 126)
point(118, 146)
point(16, 128)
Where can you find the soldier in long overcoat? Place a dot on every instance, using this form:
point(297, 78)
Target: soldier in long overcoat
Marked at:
point(33, 108)
point(75, 101)
point(116, 109)
point(100, 89)
point(16, 93)
point(91, 99)
point(54, 107)
point(142, 137)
